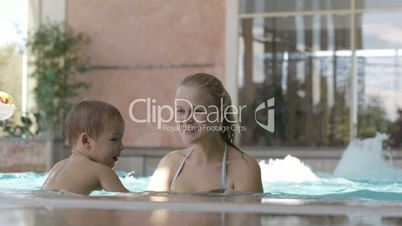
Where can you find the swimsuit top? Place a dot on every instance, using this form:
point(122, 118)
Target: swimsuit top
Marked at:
point(223, 171)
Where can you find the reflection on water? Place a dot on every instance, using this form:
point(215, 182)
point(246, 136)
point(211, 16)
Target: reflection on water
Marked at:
point(162, 217)
point(42, 208)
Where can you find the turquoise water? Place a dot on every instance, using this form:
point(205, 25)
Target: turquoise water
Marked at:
point(327, 187)
point(361, 174)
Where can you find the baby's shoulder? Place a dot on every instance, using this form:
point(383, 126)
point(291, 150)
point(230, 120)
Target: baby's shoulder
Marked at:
point(96, 166)
point(100, 171)
point(59, 164)
point(57, 168)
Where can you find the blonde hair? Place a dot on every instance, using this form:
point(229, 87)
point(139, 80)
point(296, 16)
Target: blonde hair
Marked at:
point(216, 89)
point(89, 116)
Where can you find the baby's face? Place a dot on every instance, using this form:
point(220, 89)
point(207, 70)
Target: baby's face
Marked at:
point(108, 145)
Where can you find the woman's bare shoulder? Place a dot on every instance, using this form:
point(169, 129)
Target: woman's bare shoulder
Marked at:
point(242, 160)
point(173, 157)
point(162, 178)
point(246, 173)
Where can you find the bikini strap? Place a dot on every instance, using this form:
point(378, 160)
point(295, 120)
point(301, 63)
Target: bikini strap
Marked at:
point(223, 170)
point(180, 168)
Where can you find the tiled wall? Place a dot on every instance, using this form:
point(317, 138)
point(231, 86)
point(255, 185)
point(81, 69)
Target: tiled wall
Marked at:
point(23, 155)
point(154, 34)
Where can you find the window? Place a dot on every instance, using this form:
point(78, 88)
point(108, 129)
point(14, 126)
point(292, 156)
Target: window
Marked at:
point(13, 63)
point(13, 29)
point(332, 74)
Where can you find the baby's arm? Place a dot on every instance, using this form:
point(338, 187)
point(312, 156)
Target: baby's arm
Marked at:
point(109, 181)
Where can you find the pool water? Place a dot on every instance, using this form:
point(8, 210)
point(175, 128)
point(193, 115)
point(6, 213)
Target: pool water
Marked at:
point(327, 187)
point(370, 178)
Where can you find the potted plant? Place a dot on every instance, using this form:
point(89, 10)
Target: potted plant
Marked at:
point(56, 51)
point(57, 61)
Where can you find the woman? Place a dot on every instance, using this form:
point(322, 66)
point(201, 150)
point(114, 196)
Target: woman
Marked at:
point(213, 162)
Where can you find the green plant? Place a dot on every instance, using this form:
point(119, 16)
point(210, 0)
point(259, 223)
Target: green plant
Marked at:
point(56, 50)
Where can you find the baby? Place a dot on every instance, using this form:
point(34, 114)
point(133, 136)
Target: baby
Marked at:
point(94, 131)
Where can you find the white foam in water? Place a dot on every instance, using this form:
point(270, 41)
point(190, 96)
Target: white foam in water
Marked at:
point(364, 160)
point(289, 169)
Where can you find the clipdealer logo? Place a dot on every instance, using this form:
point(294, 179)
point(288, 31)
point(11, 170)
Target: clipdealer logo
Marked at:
point(269, 104)
point(164, 114)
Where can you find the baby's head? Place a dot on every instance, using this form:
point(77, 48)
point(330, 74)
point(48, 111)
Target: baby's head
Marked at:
point(97, 127)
